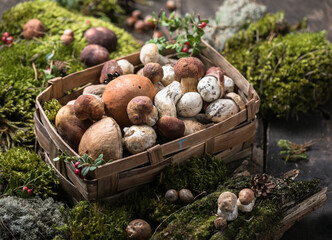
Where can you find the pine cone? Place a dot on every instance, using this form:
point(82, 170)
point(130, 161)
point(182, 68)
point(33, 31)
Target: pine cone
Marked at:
point(61, 67)
point(261, 185)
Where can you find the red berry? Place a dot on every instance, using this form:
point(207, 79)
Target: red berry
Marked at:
point(3, 39)
point(78, 172)
point(76, 164)
point(25, 188)
point(6, 34)
point(202, 25)
point(185, 49)
point(9, 41)
point(187, 43)
point(88, 22)
point(10, 38)
point(81, 176)
point(29, 192)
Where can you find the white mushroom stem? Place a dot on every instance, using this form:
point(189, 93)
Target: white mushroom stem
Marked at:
point(150, 53)
point(229, 84)
point(228, 215)
point(166, 99)
point(245, 208)
point(127, 67)
point(169, 75)
point(189, 105)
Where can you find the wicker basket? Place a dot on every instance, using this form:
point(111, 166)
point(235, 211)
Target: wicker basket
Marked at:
point(231, 139)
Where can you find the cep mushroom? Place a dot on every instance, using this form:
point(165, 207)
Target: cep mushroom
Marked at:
point(153, 71)
point(139, 138)
point(192, 126)
point(139, 229)
point(229, 84)
point(169, 75)
point(70, 128)
point(94, 54)
point(67, 37)
point(171, 127)
point(150, 53)
point(142, 111)
point(227, 207)
point(189, 70)
point(120, 91)
point(127, 67)
point(246, 200)
point(210, 87)
point(34, 28)
point(89, 107)
point(110, 71)
point(101, 36)
point(97, 90)
point(237, 99)
point(167, 98)
point(103, 137)
point(189, 105)
point(221, 109)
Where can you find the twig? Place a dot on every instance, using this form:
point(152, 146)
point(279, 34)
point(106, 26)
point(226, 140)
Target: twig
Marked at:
point(6, 228)
point(35, 70)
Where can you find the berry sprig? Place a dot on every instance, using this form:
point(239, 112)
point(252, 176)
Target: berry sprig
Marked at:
point(82, 164)
point(6, 38)
point(189, 33)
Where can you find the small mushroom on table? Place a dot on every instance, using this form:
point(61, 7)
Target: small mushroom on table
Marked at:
point(94, 54)
point(189, 70)
point(246, 200)
point(227, 207)
point(139, 229)
point(102, 36)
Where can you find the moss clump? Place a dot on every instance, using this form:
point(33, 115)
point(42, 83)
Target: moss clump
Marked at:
point(198, 174)
point(291, 71)
point(195, 221)
point(19, 162)
point(51, 108)
point(148, 203)
point(18, 83)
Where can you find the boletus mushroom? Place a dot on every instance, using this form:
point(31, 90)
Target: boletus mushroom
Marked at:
point(120, 91)
point(189, 70)
point(34, 28)
point(246, 200)
point(110, 71)
point(171, 127)
point(89, 107)
point(102, 36)
point(189, 105)
point(142, 111)
point(126, 66)
point(103, 137)
point(94, 54)
point(138, 138)
point(69, 127)
point(221, 109)
point(227, 207)
point(150, 53)
point(139, 229)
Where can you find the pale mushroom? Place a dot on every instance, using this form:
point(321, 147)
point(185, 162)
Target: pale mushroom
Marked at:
point(150, 53)
point(229, 84)
point(169, 75)
point(189, 70)
point(227, 207)
point(192, 126)
point(167, 98)
point(127, 67)
point(139, 229)
point(237, 99)
point(189, 105)
point(246, 200)
point(209, 88)
point(139, 138)
point(221, 109)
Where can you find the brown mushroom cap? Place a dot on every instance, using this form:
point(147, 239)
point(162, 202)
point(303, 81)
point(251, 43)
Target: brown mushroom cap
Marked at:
point(110, 71)
point(246, 196)
point(69, 127)
point(103, 137)
point(138, 109)
point(220, 223)
point(120, 91)
point(189, 67)
point(171, 127)
point(33, 28)
point(227, 201)
point(89, 107)
point(101, 36)
point(93, 55)
point(139, 229)
point(153, 71)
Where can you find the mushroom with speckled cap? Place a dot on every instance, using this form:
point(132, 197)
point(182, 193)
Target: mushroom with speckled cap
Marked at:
point(189, 70)
point(246, 200)
point(227, 207)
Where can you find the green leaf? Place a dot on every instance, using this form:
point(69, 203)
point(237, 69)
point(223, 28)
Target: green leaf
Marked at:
point(85, 171)
point(49, 56)
point(92, 168)
point(171, 15)
point(218, 17)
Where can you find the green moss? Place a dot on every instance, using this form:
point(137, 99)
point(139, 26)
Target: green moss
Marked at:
point(18, 162)
point(18, 84)
point(198, 174)
point(195, 221)
point(291, 71)
point(51, 108)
